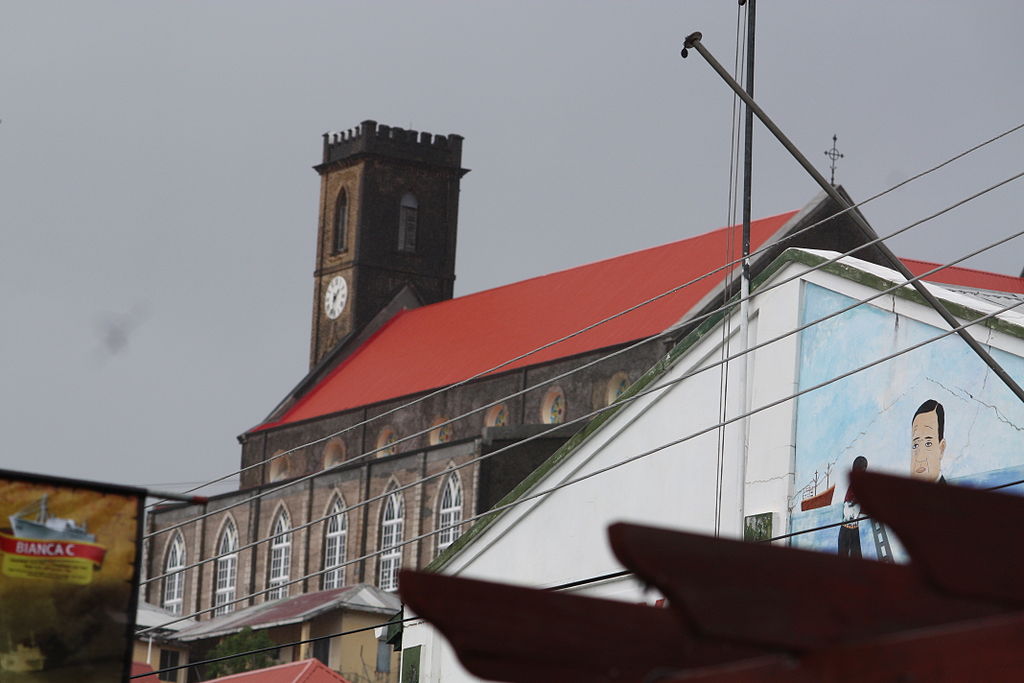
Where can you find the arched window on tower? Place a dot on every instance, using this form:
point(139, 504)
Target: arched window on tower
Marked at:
point(280, 556)
point(174, 581)
point(392, 523)
point(340, 239)
point(407, 222)
point(449, 512)
point(334, 546)
point(227, 570)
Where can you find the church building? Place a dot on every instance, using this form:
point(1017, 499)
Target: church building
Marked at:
point(421, 411)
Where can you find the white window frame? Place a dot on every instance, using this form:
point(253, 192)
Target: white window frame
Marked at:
point(392, 526)
point(279, 570)
point(449, 512)
point(335, 536)
point(226, 571)
point(174, 581)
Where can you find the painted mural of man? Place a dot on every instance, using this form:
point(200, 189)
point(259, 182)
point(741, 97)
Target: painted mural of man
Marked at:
point(849, 532)
point(927, 442)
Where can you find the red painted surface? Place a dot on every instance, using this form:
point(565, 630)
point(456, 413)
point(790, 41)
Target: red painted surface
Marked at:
point(434, 346)
point(966, 277)
point(453, 340)
point(518, 634)
point(773, 596)
point(962, 540)
point(139, 668)
point(306, 671)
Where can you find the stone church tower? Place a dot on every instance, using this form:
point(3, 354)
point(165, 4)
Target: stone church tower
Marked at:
point(389, 205)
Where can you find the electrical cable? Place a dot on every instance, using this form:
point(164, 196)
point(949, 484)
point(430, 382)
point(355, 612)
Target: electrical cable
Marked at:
point(272, 647)
point(660, 387)
point(559, 587)
point(601, 322)
point(600, 359)
point(733, 198)
point(498, 509)
point(596, 412)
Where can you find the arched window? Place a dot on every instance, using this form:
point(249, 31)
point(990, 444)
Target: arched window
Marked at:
point(334, 546)
point(279, 466)
point(449, 512)
point(617, 385)
point(334, 453)
point(280, 556)
point(552, 408)
point(497, 416)
point(174, 582)
point(226, 571)
point(392, 524)
point(340, 240)
point(442, 431)
point(387, 442)
point(407, 221)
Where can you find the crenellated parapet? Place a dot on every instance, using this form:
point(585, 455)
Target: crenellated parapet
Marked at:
point(371, 138)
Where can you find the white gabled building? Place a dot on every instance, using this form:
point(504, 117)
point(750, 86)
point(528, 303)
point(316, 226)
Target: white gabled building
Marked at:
point(658, 458)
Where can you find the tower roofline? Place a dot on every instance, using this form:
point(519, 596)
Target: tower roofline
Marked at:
point(371, 138)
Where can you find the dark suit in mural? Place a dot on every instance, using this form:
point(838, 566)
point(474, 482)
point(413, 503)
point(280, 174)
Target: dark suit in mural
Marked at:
point(849, 532)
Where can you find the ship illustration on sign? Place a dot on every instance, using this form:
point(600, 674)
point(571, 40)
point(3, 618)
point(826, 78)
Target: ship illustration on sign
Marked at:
point(34, 521)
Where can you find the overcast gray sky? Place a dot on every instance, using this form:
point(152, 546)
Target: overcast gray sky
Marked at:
point(158, 208)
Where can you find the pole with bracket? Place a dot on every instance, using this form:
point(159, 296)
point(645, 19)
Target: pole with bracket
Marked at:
point(693, 41)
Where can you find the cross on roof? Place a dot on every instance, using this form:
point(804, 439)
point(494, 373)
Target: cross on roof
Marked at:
point(834, 155)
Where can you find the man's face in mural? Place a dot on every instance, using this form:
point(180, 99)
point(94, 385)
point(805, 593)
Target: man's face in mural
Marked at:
point(926, 448)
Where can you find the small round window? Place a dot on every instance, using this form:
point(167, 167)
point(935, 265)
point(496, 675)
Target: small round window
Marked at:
point(497, 416)
point(386, 442)
point(334, 453)
point(278, 466)
point(617, 386)
point(552, 408)
point(442, 431)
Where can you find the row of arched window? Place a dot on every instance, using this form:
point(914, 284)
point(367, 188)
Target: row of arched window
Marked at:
point(392, 534)
point(408, 223)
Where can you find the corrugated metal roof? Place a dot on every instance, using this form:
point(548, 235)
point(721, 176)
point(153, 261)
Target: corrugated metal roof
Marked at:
point(361, 598)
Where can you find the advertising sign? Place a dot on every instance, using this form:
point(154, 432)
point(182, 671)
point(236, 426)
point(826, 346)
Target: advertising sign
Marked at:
point(69, 560)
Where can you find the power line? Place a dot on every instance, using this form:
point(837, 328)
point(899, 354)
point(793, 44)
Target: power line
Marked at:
point(559, 587)
point(594, 413)
point(601, 359)
point(594, 325)
point(660, 387)
point(272, 647)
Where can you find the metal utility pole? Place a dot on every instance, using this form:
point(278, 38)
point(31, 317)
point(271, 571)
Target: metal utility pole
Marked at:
point(693, 42)
point(748, 147)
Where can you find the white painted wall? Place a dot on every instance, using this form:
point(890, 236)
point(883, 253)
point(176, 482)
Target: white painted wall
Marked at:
point(561, 537)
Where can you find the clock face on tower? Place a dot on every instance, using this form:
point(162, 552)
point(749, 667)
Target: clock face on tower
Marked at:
point(335, 298)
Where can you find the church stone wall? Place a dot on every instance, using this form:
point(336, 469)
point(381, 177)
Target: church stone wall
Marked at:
point(360, 479)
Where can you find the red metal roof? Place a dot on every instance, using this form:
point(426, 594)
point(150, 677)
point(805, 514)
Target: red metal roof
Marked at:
point(306, 671)
point(437, 345)
point(967, 277)
point(139, 668)
point(430, 347)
